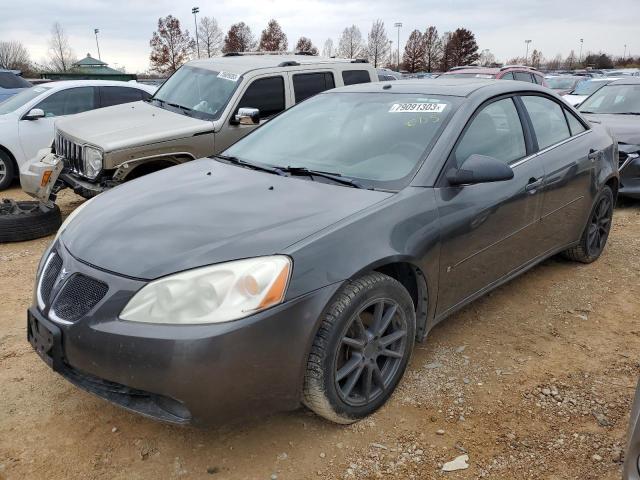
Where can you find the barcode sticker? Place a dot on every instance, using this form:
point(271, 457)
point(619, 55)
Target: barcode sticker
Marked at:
point(229, 76)
point(417, 107)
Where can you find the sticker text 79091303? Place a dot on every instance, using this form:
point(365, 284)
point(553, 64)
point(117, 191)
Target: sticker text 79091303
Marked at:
point(417, 107)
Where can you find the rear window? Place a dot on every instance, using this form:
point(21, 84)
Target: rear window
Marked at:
point(523, 76)
point(11, 80)
point(351, 77)
point(110, 96)
point(548, 120)
point(306, 85)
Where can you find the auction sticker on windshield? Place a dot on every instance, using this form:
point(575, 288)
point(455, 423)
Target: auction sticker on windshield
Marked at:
point(417, 107)
point(229, 76)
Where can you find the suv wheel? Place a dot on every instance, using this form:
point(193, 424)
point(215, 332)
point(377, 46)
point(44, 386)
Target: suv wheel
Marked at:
point(361, 349)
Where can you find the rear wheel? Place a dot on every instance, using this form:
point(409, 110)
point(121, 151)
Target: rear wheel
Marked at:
point(361, 350)
point(595, 235)
point(7, 170)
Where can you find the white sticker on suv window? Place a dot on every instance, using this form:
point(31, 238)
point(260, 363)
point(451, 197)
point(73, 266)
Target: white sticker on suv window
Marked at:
point(417, 107)
point(229, 76)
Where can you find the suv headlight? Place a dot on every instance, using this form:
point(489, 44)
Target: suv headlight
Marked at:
point(92, 161)
point(214, 294)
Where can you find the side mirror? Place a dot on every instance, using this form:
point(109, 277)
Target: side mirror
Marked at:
point(247, 116)
point(34, 114)
point(480, 169)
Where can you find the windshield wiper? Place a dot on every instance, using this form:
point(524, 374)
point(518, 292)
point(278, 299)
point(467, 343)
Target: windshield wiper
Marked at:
point(335, 177)
point(243, 163)
point(628, 113)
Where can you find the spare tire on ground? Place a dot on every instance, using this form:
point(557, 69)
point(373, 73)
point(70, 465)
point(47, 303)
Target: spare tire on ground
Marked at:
point(26, 220)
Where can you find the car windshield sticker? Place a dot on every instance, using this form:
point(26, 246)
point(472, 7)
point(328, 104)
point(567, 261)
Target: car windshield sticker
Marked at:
point(229, 76)
point(417, 107)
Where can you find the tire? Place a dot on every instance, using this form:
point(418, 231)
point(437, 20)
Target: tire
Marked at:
point(596, 231)
point(21, 221)
point(7, 170)
point(342, 364)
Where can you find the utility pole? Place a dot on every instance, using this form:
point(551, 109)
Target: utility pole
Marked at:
point(526, 55)
point(398, 25)
point(391, 53)
point(195, 11)
point(581, 42)
point(624, 55)
point(96, 31)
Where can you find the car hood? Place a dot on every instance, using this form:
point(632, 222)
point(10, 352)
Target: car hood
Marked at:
point(626, 128)
point(129, 125)
point(204, 212)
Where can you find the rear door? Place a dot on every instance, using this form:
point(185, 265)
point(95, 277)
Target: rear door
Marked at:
point(489, 229)
point(563, 145)
point(268, 93)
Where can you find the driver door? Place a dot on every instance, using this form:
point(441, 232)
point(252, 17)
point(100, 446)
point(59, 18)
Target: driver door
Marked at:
point(37, 134)
point(267, 93)
point(489, 230)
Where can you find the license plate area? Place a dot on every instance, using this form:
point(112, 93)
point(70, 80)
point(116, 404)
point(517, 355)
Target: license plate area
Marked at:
point(45, 338)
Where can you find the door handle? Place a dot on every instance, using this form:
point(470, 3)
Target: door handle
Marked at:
point(593, 154)
point(533, 185)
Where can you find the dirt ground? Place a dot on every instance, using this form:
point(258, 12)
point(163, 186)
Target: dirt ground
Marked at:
point(533, 381)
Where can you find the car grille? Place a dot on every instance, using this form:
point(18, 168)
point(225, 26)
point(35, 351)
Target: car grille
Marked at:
point(49, 275)
point(78, 297)
point(72, 153)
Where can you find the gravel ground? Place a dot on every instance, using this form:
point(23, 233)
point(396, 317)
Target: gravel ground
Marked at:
point(533, 381)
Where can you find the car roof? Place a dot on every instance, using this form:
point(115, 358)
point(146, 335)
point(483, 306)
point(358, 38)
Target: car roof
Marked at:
point(627, 81)
point(443, 85)
point(244, 63)
point(63, 84)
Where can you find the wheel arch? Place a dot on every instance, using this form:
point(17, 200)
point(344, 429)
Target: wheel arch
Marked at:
point(11, 156)
point(154, 164)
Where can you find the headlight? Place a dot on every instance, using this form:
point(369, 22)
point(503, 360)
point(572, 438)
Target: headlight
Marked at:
point(92, 162)
point(68, 220)
point(214, 294)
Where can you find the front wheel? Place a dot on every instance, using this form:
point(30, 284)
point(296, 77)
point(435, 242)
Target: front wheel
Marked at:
point(7, 171)
point(596, 232)
point(361, 349)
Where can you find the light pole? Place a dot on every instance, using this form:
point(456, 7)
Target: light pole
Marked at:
point(398, 25)
point(581, 42)
point(624, 55)
point(96, 31)
point(526, 55)
point(391, 53)
point(195, 11)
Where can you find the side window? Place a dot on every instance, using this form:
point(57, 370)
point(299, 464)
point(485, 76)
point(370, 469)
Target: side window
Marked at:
point(68, 102)
point(507, 76)
point(265, 94)
point(537, 78)
point(548, 121)
point(495, 132)
point(110, 96)
point(351, 77)
point(523, 76)
point(306, 85)
point(575, 125)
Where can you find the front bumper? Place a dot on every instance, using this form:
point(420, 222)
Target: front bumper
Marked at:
point(39, 175)
point(630, 178)
point(212, 373)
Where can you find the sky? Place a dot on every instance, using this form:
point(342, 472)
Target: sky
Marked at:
point(553, 26)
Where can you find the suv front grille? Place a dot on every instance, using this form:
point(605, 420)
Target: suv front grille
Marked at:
point(48, 278)
point(78, 297)
point(72, 153)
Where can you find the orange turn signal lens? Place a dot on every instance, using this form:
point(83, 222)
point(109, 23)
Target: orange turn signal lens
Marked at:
point(46, 176)
point(276, 293)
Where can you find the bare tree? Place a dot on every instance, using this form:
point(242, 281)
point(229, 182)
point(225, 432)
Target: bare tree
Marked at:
point(170, 46)
point(432, 47)
point(13, 56)
point(210, 36)
point(305, 44)
point(273, 39)
point(487, 59)
point(446, 59)
point(555, 63)
point(570, 60)
point(536, 58)
point(350, 44)
point(377, 44)
point(414, 53)
point(61, 57)
point(327, 49)
point(239, 38)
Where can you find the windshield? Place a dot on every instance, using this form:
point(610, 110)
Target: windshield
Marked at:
point(11, 80)
point(614, 99)
point(20, 99)
point(587, 87)
point(198, 92)
point(378, 139)
point(561, 83)
point(470, 75)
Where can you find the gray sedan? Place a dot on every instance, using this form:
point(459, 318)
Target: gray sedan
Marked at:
point(302, 265)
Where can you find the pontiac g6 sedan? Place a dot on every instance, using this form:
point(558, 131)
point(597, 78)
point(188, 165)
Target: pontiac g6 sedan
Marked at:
point(301, 265)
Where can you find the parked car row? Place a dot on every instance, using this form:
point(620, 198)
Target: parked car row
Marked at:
point(344, 228)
